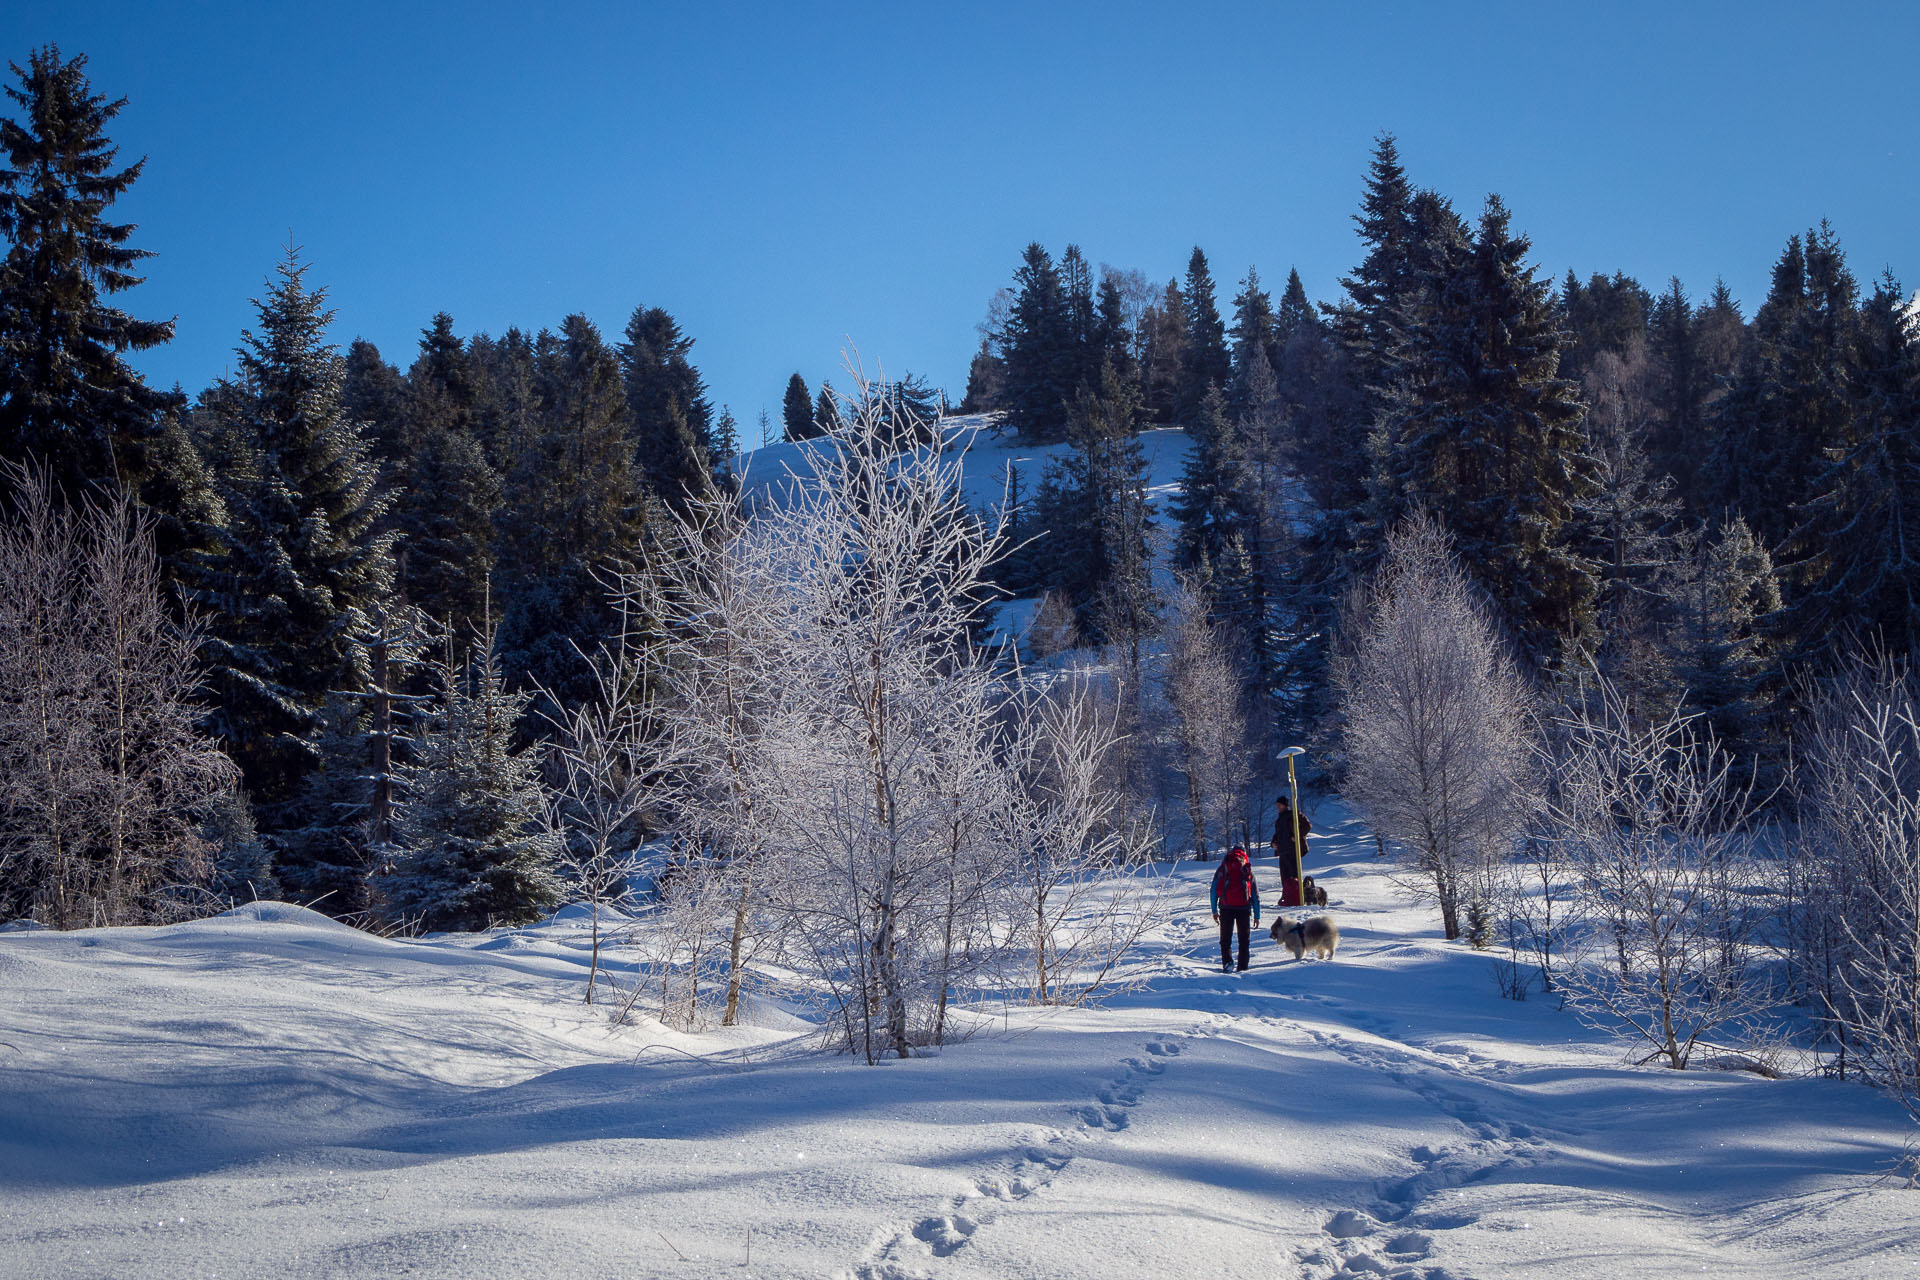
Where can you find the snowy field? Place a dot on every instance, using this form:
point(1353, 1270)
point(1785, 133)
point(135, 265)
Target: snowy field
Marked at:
point(273, 1094)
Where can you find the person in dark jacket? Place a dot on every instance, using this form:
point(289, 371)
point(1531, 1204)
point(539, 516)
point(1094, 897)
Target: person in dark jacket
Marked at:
point(1235, 898)
point(1291, 857)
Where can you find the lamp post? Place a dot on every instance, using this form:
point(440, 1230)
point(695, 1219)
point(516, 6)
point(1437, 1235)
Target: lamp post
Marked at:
point(1293, 790)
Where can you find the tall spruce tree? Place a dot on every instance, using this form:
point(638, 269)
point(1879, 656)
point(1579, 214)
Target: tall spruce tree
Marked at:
point(796, 410)
point(1254, 344)
point(1789, 405)
point(826, 411)
point(1204, 363)
point(507, 405)
point(68, 399)
point(305, 556)
point(1481, 431)
point(672, 419)
point(1163, 354)
point(1112, 336)
point(1036, 348)
point(449, 492)
point(374, 393)
point(1208, 510)
point(1857, 548)
point(574, 507)
point(1295, 313)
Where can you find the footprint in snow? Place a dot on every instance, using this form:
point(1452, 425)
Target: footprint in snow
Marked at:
point(944, 1235)
point(1110, 1119)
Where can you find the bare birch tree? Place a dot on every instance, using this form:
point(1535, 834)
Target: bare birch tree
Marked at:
point(1436, 734)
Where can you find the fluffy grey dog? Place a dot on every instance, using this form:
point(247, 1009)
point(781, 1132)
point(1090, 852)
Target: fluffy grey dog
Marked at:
point(1318, 934)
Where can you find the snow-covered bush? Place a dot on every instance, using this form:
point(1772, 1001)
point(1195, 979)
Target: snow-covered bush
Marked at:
point(1858, 939)
point(1655, 826)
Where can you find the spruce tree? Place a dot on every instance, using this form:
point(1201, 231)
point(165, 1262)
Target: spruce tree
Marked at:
point(1163, 354)
point(1724, 598)
point(68, 399)
point(986, 380)
point(1208, 509)
point(305, 555)
point(1295, 313)
point(672, 420)
point(826, 411)
point(507, 405)
point(1789, 405)
point(796, 410)
point(574, 507)
point(1036, 347)
point(1078, 359)
point(1855, 547)
point(472, 848)
point(1674, 442)
point(1204, 363)
point(1482, 432)
point(449, 494)
point(375, 393)
point(1112, 339)
point(1254, 345)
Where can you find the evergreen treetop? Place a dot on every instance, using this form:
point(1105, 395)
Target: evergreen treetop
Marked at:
point(68, 399)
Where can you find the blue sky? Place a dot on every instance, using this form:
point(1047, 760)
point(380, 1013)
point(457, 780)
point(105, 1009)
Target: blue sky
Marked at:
point(789, 178)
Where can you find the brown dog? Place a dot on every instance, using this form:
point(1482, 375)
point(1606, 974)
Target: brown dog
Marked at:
point(1313, 893)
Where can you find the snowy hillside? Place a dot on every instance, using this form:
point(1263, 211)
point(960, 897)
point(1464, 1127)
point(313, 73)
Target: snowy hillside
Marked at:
point(272, 1094)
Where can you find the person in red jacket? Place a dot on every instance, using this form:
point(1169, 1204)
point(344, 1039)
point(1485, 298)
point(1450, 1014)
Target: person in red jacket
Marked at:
point(1235, 898)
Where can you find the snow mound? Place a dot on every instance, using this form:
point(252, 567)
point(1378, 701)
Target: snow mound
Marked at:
point(581, 913)
point(284, 913)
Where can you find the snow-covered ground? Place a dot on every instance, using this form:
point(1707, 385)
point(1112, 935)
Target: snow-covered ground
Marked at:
point(272, 1094)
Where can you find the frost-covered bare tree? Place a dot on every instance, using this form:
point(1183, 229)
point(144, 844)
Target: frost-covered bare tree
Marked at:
point(1656, 825)
point(105, 777)
point(1436, 725)
point(718, 595)
point(851, 764)
point(1206, 730)
point(1859, 939)
point(1063, 819)
point(605, 757)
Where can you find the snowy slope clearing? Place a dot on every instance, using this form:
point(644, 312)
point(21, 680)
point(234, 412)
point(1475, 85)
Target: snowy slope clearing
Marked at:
point(272, 1094)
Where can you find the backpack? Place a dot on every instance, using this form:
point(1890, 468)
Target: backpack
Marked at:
point(1234, 883)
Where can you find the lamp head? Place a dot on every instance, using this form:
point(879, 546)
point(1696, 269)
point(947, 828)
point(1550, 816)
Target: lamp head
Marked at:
point(1292, 751)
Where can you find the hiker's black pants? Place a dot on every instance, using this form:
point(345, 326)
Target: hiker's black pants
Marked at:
point(1232, 918)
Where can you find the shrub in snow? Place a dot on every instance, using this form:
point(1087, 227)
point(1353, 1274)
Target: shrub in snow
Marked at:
point(1858, 928)
point(1654, 825)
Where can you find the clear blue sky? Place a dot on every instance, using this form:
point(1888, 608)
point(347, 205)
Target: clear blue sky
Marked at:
point(787, 177)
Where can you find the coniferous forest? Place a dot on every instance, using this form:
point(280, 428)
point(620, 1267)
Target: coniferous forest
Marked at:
point(348, 626)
